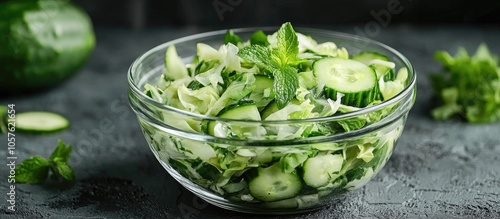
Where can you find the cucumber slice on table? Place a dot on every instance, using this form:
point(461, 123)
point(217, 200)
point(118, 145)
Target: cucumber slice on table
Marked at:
point(244, 110)
point(380, 63)
point(40, 122)
point(320, 170)
point(355, 80)
point(272, 184)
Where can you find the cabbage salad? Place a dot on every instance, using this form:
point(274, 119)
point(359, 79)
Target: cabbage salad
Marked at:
point(281, 76)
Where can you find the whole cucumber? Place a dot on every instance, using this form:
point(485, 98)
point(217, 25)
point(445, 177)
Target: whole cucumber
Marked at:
point(42, 42)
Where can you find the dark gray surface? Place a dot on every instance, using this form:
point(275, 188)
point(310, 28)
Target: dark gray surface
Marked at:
point(438, 170)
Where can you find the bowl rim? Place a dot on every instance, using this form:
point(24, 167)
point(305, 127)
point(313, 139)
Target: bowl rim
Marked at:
point(339, 35)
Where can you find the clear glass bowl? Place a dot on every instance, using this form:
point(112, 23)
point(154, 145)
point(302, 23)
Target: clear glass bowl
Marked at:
point(191, 156)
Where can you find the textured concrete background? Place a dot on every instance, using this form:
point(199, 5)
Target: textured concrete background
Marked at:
point(438, 170)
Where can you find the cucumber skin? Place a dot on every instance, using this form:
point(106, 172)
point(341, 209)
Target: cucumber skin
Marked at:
point(42, 51)
point(360, 99)
point(209, 126)
point(390, 76)
point(356, 99)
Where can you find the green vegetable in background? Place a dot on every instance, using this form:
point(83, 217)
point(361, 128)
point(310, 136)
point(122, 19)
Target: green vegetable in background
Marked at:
point(36, 169)
point(42, 43)
point(468, 86)
point(3, 112)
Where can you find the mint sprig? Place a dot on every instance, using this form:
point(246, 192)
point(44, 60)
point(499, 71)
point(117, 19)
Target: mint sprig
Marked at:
point(36, 169)
point(280, 62)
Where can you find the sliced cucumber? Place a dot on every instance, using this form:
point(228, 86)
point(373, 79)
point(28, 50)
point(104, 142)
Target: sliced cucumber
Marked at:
point(175, 68)
point(244, 110)
point(354, 79)
point(263, 92)
point(272, 184)
point(272, 107)
point(320, 170)
point(40, 122)
point(390, 75)
point(380, 63)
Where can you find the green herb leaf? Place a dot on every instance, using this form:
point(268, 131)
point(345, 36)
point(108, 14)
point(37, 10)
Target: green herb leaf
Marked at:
point(62, 152)
point(231, 37)
point(32, 170)
point(259, 38)
point(36, 169)
point(280, 62)
point(288, 45)
point(62, 168)
point(468, 86)
point(286, 83)
point(259, 55)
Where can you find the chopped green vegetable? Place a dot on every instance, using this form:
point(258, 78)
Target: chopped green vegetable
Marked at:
point(36, 169)
point(259, 38)
point(468, 86)
point(231, 37)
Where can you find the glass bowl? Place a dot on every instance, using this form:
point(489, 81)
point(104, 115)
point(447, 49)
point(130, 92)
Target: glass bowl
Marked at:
point(256, 173)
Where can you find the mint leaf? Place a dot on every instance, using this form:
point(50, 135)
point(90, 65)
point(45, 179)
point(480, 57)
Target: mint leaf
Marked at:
point(259, 38)
point(286, 82)
point(288, 44)
point(32, 170)
point(62, 168)
point(259, 55)
point(36, 169)
point(231, 37)
point(62, 151)
point(279, 61)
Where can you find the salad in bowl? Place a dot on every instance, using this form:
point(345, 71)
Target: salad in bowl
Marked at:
point(272, 121)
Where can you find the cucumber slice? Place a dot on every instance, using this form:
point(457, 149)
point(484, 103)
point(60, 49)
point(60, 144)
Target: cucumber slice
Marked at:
point(272, 184)
point(263, 92)
point(272, 107)
point(175, 68)
point(320, 170)
point(380, 63)
point(244, 110)
point(40, 122)
point(354, 79)
point(390, 75)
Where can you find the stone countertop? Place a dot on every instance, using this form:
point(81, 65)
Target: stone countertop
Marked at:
point(438, 170)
